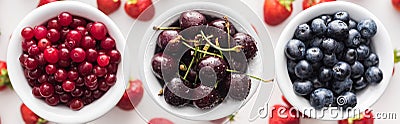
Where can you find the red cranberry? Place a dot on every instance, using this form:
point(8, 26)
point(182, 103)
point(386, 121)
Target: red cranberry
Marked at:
point(33, 82)
point(53, 35)
point(22, 58)
point(115, 56)
point(64, 54)
point(90, 81)
point(74, 35)
point(50, 69)
point(53, 24)
point(89, 25)
point(31, 63)
point(85, 68)
point(103, 60)
point(112, 68)
point(97, 94)
point(65, 19)
point(40, 32)
point(98, 30)
point(64, 98)
point(80, 82)
point(77, 21)
point(52, 100)
point(82, 30)
point(60, 75)
point(77, 92)
point(110, 79)
point(91, 55)
point(64, 33)
point(76, 104)
point(73, 75)
point(35, 74)
point(42, 79)
point(46, 89)
point(99, 71)
point(88, 100)
point(27, 33)
point(51, 79)
point(51, 55)
point(40, 59)
point(33, 50)
point(103, 86)
point(78, 55)
point(88, 42)
point(68, 86)
point(58, 89)
point(36, 92)
point(43, 44)
point(87, 93)
point(64, 63)
point(107, 43)
point(26, 44)
point(71, 44)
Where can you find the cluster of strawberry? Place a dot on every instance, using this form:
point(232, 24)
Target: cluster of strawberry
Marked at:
point(4, 80)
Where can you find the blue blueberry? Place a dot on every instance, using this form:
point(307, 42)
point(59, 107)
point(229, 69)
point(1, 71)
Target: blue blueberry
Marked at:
point(303, 88)
point(295, 49)
point(373, 75)
point(341, 15)
point(349, 100)
point(303, 32)
point(365, 41)
point(367, 28)
point(354, 39)
point(316, 66)
point(338, 29)
point(329, 60)
point(372, 60)
point(325, 74)
point(339, 47)
point(316, 42)
point(350, 56)
point(303, 69)
point(329, 45)
point(314, 55)
point(290, 66)
point(341, 71)
point(342, 86)
point(360, 83)
point(318, 84)
point(326, 18)
point(357, 70)
point(352, 24)
point(320, 98)
point(362, 52)
point(318, 26)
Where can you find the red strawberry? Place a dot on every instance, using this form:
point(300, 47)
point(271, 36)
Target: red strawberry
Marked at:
point(366, 118)
point(396, 4)
point(280, 115)
point(286, 102)
point(29, 117)
point(160, 121)
point(132, 95)
point(309, 3)
point(108, 6)
point(277, 11)
point(42, 2)
point(4, 80)
point(135, 7)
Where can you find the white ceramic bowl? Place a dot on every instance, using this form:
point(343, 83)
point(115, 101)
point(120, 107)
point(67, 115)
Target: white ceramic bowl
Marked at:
point(61, 113)
point(381, 43)
point(143, 42)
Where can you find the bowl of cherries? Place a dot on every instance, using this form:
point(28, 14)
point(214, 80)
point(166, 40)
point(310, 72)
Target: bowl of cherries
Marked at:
point(66, 62)
point(200, 60)
point(334, 56)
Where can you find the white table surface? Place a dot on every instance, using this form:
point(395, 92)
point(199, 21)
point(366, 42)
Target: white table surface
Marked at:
point(11, 11)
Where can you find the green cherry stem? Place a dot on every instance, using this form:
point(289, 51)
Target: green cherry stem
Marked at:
point(252, 76)
point(201, 51)
point(236, 48)
point(191, 63)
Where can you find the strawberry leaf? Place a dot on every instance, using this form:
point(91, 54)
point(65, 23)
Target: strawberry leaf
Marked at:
point(287, 4)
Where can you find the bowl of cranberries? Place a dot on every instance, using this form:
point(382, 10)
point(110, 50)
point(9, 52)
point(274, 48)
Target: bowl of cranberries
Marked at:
point(335, 56)
point(200, 60)
point(65, 62)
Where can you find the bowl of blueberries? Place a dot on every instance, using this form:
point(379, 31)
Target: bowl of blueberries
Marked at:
point(334, 56)
point(200, 60)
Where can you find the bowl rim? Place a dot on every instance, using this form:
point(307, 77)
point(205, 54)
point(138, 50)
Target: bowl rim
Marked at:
point(284, 81)
point(57, 113)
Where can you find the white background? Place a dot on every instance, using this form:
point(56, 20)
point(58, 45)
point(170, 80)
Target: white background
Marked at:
point(11, 11)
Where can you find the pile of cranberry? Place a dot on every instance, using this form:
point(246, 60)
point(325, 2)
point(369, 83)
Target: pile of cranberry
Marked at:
point(69, 60)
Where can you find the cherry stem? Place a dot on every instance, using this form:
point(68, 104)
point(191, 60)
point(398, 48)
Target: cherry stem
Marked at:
point(191, 63)
point(236, 48)
point(160, 93)
point(252, 76)
point(166, 28)
point(201, 51)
